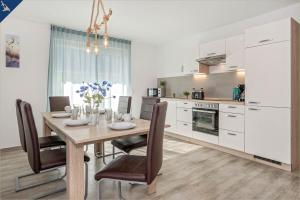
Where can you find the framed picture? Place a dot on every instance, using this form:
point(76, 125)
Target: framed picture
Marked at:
point(12, 51)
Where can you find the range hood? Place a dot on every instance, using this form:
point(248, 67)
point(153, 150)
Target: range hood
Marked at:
point(212, 60)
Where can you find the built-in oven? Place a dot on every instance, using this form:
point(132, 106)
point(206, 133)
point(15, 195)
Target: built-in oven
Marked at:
point(206, 118)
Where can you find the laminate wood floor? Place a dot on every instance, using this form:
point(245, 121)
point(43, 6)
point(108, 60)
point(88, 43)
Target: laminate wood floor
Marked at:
point(189, 172)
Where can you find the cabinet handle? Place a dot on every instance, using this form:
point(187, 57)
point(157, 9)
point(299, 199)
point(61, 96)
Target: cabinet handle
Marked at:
point(231, 107)
point(266, 40)
point(253, 102)
point(185, 110)
point(185, 103)
point(230, 116)
point(185, 124)
point(231, 67)
point(233, 134)
point(254, 109)
point(210, 54)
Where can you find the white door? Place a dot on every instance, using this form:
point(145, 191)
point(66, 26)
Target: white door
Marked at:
point(268, 75)
point(171, 116)
point(267, 133)
point(235, 53)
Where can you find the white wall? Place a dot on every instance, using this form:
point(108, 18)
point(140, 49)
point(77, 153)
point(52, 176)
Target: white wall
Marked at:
point(225, 31)
point(29, 82)
point(143, 62)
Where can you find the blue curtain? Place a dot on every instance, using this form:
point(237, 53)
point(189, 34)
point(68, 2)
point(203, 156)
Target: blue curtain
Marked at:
point(70, 63)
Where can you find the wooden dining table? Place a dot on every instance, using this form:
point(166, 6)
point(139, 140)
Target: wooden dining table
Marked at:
point(77, 137)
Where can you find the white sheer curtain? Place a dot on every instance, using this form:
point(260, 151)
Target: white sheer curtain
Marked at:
point(70, 64)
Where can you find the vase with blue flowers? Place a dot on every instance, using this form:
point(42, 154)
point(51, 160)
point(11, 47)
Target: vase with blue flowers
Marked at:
point(93, 95)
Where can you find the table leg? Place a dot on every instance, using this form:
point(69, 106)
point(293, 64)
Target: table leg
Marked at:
point(75, 171)
point(98, 148)
point(47, 130)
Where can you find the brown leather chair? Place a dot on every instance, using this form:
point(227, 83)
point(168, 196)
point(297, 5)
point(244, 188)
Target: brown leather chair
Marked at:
point(44, 142)
point(124, 105)
point(42, 160)
point(140, 169)
point(133, 142)
point(58, 103)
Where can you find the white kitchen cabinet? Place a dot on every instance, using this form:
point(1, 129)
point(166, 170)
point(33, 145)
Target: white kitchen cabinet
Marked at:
point(184, 104)
point(184, 115)
point(231, 139)
point(214, 48)
point(231, 121)
point(190, 55)
point(184, 128)
point(171, 115)
point(232, 108)
point(268, 75)
point(268, 33)
point(267, 133)
point(235, 53)
point(170, 62)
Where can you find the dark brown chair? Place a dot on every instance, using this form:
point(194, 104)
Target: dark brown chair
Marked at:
point(58, 103)
point(40, 161)
point(124, 105)
point(45, 142)
point(140, 169)
point(133, 142)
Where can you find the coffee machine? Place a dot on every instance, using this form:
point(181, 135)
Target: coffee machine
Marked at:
point(238, 93)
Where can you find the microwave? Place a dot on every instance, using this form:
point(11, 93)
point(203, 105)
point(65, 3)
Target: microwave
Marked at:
point(154, 92)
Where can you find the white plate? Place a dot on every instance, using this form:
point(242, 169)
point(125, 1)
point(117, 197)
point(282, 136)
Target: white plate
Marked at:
point(61, 115)
point(121, 125)
point(77, 122)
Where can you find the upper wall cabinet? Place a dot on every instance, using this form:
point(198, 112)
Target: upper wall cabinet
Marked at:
point(235, 53)
point(211, 49)
point(269, 33)
point(191, 53)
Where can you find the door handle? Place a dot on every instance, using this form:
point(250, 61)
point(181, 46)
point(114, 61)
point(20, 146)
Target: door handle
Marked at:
point(231, 107)
point(210, 54)
point(230, 116)
point(265, 40)
point(253, 102)
point(254, 109)
point(233, 134)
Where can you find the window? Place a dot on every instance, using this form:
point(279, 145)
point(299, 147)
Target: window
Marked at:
point(70, 65)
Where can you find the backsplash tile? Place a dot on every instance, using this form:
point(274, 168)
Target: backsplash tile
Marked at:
point(215, 85)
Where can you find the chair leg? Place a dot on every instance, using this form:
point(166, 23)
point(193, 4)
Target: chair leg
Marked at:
point(103, 154)
point(18, 187)
point(120, 191)
point(50, 193)
point(98, 190)
point(113, 151)
point(86, 148)
point(152, 187)
point(86, 180)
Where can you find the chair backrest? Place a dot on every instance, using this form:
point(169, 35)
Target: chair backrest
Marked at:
point(155, 141)
point(124, 105)
point(58, 103)
point(31, 137)
point(147, 107)
point(20, 124)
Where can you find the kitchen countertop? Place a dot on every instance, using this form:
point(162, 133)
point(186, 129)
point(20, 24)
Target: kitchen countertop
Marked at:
point(208, 100)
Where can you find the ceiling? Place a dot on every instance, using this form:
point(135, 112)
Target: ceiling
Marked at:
point(150, 21)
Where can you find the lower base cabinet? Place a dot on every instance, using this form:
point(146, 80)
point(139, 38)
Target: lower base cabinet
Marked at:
point(184, 128)
point(268, 133)
point(231, 139)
